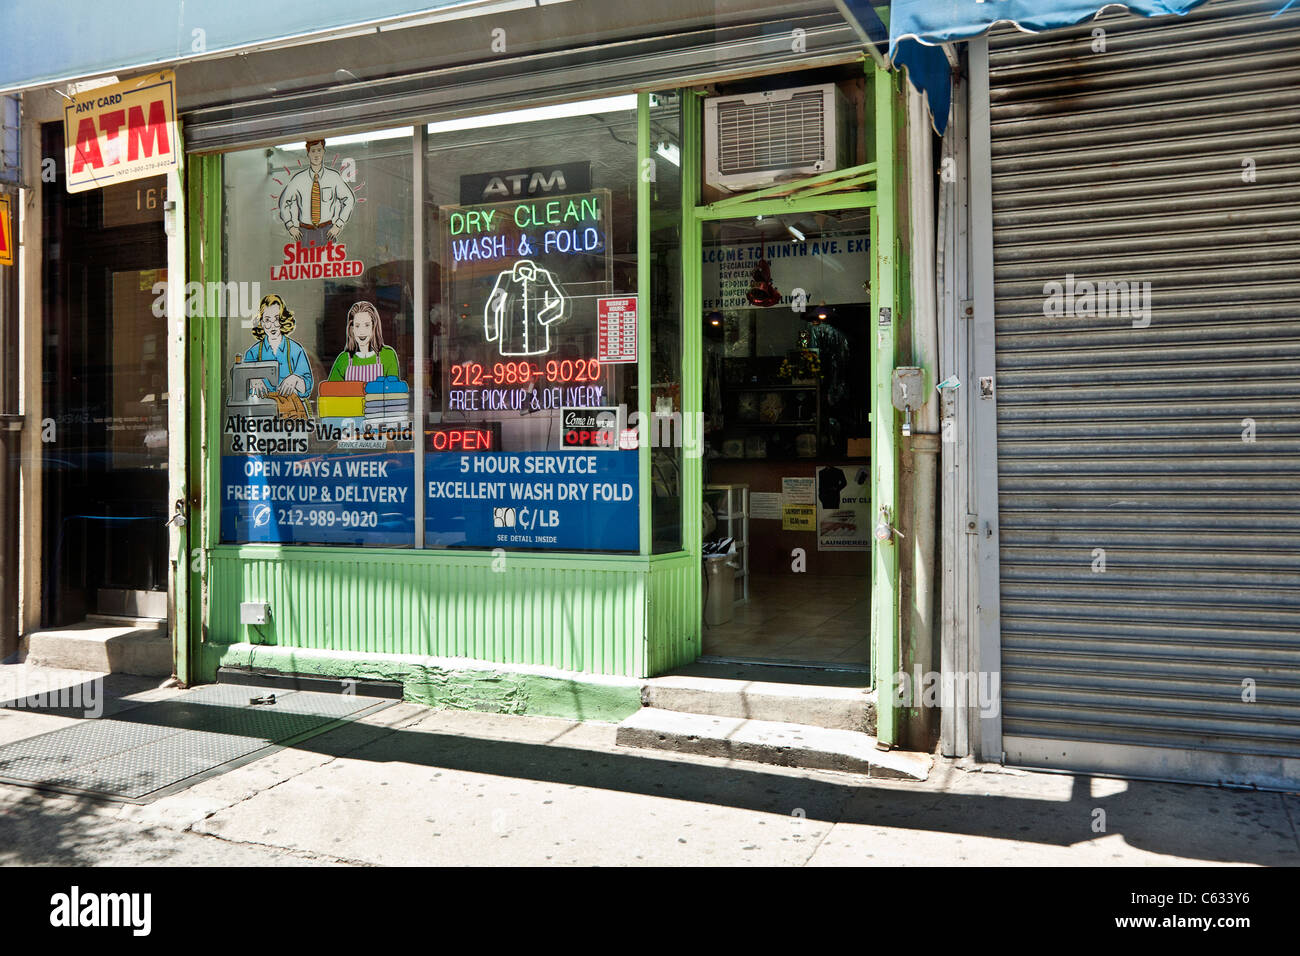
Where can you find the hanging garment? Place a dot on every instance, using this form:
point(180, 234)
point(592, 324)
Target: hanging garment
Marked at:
point(519, 311)
point(713, 414)
point(833, 351)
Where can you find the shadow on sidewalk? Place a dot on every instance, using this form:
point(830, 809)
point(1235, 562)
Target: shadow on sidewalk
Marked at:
point(1181, 821)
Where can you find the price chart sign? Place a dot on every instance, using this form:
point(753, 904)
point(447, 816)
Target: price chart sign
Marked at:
point(616, 324)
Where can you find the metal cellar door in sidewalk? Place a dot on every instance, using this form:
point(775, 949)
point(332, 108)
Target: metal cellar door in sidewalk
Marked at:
point(1146, 235)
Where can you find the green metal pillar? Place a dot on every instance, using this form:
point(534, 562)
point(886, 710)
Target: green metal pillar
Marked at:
point(203, 215)
point(645, 170)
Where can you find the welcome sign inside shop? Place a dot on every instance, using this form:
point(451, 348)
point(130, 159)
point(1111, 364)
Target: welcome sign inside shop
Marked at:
point(833, 270)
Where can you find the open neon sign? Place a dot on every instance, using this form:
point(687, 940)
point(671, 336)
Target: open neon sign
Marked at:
point(487, 438)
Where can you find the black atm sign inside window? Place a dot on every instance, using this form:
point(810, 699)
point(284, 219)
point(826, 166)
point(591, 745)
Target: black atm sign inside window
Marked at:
point(590, 428)
point(557, 179)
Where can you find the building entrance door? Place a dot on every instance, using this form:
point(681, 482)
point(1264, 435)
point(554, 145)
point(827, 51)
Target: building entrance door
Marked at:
point(104, 428)
point(787, 393)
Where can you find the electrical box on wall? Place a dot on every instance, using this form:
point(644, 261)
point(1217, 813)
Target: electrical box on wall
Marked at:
point(908, 388)
point(254, 612)
point(758, 139)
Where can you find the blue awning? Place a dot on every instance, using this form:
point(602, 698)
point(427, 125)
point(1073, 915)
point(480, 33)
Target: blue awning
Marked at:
point(917, 26)
point(942, 21)
point(56, 43)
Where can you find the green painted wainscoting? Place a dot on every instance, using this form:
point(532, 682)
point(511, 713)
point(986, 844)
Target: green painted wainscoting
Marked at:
point(576, 614)
point(674, 611)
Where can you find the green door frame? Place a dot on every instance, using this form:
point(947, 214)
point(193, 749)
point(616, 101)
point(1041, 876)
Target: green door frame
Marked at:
point(814, 195)
point(203, 240)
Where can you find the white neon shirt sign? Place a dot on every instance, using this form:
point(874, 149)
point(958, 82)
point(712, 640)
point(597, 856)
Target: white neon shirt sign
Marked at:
point(525, 301)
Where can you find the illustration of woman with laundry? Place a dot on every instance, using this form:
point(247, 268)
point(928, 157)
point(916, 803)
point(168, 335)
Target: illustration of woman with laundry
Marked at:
point(365, 357)
point(271, 328)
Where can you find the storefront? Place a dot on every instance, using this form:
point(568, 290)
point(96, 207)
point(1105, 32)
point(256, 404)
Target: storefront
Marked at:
point(548, 512)
point(467, 352)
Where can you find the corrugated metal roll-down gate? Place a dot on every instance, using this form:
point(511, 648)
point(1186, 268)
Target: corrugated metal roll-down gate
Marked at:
point(1149, 437)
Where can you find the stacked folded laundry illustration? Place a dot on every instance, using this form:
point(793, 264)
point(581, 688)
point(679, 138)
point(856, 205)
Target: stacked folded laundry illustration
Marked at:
point(341, 400)
point(387, 399)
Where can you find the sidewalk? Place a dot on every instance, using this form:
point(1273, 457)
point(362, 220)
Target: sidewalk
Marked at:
point(412, 786)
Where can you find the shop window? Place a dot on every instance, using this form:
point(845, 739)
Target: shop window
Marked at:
point(531, 222)
point(317, 343)
point(669, 432)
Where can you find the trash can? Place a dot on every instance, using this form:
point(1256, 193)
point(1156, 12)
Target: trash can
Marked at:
point(719, 588)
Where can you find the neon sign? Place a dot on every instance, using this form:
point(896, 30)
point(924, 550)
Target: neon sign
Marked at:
point(571, 227)
point(520, 309)
point(563, 371)
point(484, 438)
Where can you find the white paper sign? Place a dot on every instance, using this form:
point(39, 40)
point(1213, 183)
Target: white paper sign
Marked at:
point(843, 508)
point(766, 504)
point(797, 491)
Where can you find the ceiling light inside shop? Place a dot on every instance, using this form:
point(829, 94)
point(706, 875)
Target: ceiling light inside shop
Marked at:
point(401, 132)
point(670, 152)
point(608, 104)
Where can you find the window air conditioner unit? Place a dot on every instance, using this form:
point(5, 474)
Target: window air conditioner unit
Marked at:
point(760, 139)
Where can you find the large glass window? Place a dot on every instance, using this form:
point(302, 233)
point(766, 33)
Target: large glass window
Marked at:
point(668, 431)
point(317, 319)
point(532, 226)
point(525, 366)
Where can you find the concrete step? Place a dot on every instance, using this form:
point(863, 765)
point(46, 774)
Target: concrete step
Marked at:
point(140, 647)
point(769, 741)
point(814, 705)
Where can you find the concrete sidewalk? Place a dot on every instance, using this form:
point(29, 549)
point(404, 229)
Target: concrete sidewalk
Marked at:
point(408, 785)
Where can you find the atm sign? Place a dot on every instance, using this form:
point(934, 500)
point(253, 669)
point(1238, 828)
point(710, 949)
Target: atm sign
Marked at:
point(121, 132)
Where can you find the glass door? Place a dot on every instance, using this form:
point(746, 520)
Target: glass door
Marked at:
point(104, 358)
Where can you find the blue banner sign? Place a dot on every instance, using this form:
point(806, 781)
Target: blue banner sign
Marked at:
point(559, 501)
point(335, 498)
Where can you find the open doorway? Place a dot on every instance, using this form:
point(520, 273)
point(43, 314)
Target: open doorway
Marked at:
point(787, 393)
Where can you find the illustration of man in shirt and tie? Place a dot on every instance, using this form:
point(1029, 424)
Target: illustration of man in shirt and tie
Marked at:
point(317, 203)
point(523, 304)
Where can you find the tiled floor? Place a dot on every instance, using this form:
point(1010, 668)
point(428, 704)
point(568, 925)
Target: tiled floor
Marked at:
point(797, 618)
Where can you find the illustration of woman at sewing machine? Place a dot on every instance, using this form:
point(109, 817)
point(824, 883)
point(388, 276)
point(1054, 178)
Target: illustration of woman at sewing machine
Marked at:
point(271, 328)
